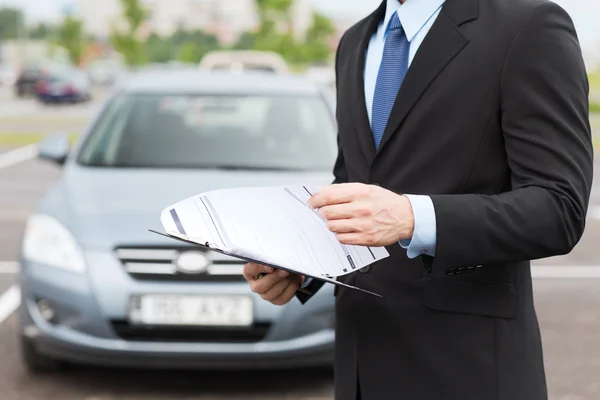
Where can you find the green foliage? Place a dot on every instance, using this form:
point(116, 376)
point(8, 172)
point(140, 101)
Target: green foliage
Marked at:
point(275, 14)
point(316, 47)
point(594, 107)
point(185, 46)
point(10, 21)
point(274, 9)
point(246, 41)
point(133, 50)
point(190, 52)
point(70, 36)
point(26, 138)
point(135, 14)
point(594, 79)
point(159, 50)
point(266, 6)
point(321, 28)
point(272, 14)
point(126, 42)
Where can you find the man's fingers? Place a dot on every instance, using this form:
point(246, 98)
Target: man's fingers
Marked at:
point(266, 283)
point(340, 211)
point(344, 226)
point(355, 239)
point(336, 194)
point(288, 294)
point(252, 270)
point(276, 290)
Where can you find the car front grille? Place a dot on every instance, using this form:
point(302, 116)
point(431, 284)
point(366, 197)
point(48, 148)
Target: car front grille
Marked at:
point(252, 334)
point(161, 264)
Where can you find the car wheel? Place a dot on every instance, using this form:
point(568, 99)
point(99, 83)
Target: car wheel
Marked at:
point(36, 362)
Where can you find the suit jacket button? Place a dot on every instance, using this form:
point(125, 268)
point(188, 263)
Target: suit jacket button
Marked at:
point(366, 269)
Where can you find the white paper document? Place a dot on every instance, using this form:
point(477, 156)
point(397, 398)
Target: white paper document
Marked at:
point(271, 225)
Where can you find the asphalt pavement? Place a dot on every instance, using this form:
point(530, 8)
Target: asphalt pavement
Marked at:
point(28, 116)
point(567, 291)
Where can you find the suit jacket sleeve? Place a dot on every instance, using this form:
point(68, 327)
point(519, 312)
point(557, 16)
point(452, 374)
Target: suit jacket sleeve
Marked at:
point(340, 176)
point(545, 123)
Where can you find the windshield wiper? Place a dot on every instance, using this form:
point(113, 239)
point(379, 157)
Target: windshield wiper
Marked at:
point(253, 168)
point(191, 166)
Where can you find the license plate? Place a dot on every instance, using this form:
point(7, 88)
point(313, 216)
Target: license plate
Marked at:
point(192, 310)
point(56, 90)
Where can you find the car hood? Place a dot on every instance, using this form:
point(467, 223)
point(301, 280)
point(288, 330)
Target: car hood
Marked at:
point(109, 207)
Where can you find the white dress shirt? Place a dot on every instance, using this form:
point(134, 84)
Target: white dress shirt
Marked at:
point(416, 17)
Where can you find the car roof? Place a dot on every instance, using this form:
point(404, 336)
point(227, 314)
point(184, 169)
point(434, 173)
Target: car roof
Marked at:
point(217, 82)
point(248, 57)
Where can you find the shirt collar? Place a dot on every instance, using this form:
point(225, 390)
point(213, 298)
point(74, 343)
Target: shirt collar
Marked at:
point(413, 14)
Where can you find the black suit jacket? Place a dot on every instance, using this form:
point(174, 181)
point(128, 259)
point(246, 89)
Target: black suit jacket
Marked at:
point(492, 122)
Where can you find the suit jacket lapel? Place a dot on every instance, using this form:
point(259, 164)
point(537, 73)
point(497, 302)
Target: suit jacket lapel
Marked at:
point(443, 42)
point(359, 112)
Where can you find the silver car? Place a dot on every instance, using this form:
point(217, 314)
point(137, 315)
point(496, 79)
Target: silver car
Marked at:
point(87, 255)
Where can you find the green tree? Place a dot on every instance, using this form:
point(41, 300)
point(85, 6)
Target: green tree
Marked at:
point(127, 42)
point(10, 20)
point(321, 28)
point(159, 50)
point(190, 52)
point(316, 48)
point(245, 42)
point(273, 14)
point(185, 46)
point(274, 10)
point(275, 33)
point(71, 37)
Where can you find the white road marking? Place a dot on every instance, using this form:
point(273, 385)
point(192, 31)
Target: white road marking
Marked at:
point(9, 302)
point(11, 299)
point(9, 267)
point(537, 271)
point(17, 156)
point(565, 271)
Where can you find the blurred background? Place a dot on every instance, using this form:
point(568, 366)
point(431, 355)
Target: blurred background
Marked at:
point(110, 110)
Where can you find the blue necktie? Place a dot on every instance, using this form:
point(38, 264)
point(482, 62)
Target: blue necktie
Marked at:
point(392, 70)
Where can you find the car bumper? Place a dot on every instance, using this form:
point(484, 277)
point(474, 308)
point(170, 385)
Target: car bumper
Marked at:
point(59, 98)
point(308, 351)
point(298, 335)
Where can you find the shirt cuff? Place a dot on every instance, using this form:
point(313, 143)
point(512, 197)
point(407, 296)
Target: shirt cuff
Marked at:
point(307, 282)
point(424, 237)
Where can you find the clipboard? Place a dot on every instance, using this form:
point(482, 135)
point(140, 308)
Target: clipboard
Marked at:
point(320, 278)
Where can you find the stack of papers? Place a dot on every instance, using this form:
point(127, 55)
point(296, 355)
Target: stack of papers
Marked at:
point(273, 226)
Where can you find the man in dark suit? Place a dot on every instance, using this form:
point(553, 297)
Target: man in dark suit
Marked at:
point(464, 136)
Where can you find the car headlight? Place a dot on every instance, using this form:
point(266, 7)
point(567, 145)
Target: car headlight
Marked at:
point(48, 242)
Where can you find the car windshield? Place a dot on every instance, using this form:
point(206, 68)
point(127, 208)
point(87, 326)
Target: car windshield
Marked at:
point(291, 132)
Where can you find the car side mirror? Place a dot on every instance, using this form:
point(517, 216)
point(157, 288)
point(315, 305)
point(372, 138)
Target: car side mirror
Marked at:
point(54, 148)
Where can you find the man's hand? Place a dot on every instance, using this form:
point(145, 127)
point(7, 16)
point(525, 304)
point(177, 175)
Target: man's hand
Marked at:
point(275, 286)
point(365, 215)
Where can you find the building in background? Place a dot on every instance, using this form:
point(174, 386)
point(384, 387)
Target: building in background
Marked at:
point(227, 19)
point(302, 18)
point(98, 16)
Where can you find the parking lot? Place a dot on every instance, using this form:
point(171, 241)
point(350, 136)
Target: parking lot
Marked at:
point(567, 300)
